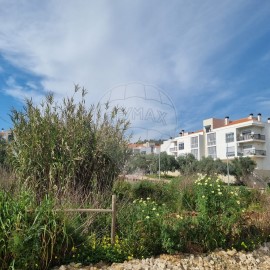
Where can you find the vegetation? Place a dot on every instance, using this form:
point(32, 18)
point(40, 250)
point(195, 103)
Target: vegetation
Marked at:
point(58, 147)
point(65, 156)
point(3, 153)
point(241, 167)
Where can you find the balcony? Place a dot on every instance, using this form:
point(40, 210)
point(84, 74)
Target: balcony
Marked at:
point(250, 137)
point(252, 152)
point(231, 154)
point(173, 149)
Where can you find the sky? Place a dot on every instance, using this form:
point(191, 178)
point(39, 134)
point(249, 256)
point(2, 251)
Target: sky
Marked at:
point(172, 63)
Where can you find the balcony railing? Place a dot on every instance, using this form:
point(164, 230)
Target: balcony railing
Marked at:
point(252, 152)
point(249, 136)
point(173, 149)
point(230, 154)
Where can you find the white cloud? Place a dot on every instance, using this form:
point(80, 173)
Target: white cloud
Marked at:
point(17, 91)
point(180, 46)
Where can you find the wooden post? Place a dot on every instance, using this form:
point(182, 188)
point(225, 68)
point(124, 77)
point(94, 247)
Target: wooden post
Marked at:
point(113, 219)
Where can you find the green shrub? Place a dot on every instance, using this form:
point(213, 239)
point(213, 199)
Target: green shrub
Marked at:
point(140, 224)
point(32, 236)
point(167, 193)
point(123, 190)
point(95, 249)
point(216, 221)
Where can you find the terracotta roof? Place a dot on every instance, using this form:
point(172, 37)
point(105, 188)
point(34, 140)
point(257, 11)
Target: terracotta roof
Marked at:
point(239, 121)
point(133, 145)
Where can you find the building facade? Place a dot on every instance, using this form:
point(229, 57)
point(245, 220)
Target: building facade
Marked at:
point(225, 139)
point(145, 148)
point(6, 135)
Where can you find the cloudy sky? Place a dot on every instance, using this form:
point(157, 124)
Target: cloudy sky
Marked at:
point(209, 58)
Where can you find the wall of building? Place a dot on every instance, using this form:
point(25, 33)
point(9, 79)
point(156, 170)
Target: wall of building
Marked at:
point(235, 148)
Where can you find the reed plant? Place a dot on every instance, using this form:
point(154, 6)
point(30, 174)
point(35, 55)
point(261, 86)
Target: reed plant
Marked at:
point(63, 146)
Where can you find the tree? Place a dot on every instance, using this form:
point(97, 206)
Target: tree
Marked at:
point(187, 164)
point(242, 168)
point(67, 146)
point(167, 162)
point(209, 166)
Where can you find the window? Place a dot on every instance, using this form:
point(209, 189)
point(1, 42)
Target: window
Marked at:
point(10, 137)
point(207, 129)
point(194, 152)
point(230, 151)
point(229, 137)
point(247, 146)
point(181, 146)
point(212, 152)
point(211, 139)
point(194, 142)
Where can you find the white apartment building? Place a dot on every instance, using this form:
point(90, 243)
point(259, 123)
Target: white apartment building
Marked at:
point(144, 148)
point(222, 138)
point(6, 134)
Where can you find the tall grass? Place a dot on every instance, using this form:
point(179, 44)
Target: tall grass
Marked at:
point(32, 236)
point(63, 146)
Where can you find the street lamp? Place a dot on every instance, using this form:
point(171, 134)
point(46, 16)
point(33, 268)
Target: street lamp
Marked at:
point(159, 165)
point(228, 171)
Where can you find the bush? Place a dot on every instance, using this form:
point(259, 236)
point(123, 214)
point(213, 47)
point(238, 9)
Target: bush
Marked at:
point(32, 236)
point(61, 147)
point(140, 224)
point(95, 249)
point(123, 190)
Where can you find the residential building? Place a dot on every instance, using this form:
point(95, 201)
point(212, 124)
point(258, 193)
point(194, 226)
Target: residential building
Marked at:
point(225, 139)
point(6, 135)
point(144, 148)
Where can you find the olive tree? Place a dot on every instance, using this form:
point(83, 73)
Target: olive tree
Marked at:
point(242, 168)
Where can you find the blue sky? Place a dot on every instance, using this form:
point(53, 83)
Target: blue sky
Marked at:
point(211, 58)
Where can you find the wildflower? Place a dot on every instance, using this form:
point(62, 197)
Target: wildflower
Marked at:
point(210, 185)
point(147, 217)
point(219, 193)
point(238, 202)
point(154, 209)
point(203, 196)
point(147, 198)
point(134, 201)
point(157, 214)
point(213, 191)
point(177, 216)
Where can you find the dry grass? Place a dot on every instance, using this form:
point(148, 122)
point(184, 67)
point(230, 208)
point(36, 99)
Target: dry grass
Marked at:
point(7, 179)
